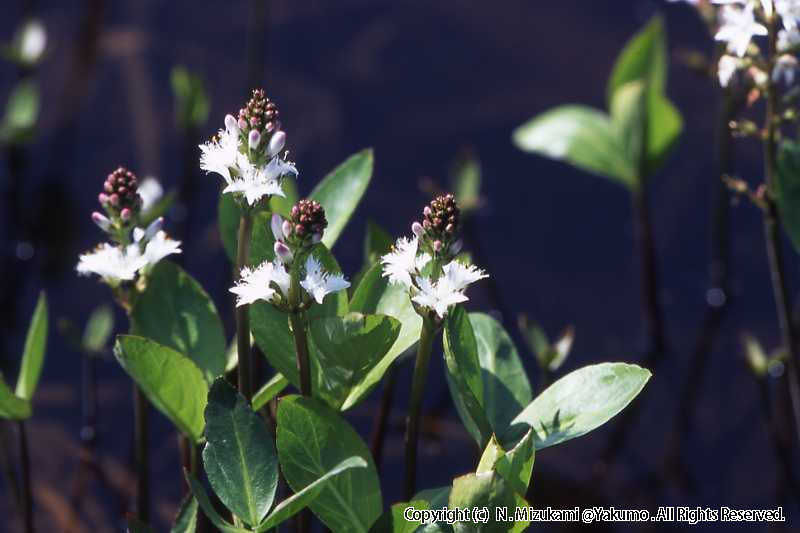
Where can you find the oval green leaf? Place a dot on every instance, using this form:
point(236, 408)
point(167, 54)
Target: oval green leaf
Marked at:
point(33, 353)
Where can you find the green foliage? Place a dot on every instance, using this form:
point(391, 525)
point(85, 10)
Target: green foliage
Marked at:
point(787, 189)
point(341, 191)
point(22, 112)
point(270, 389)
point(228, 224)
point(630, 143)
point(186, 520)
point(487, 489)
point(239, 455)
point(191, 100)
point(582, 401)
point(175, 311)
point(394, 521)
point(12, 407)
point(515, 466)
point(311, 439)
point(33, 353)
point(171, 381)
point(549, 356)
point(98, 330)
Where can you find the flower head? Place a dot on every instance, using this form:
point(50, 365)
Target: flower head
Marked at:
point(221, 153)
point(738, 26)
point(120, 197)
point(403, 261)
point(448, 290)
point(319, 283)
point(266, 282)
point(257, 182)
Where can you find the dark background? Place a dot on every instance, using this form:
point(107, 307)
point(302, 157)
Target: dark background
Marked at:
point(418, 81)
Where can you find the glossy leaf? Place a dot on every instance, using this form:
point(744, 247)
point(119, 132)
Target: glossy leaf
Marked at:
point(12, 407)
point(643, 58)
point(348, 348)
point(341, 191)
point(464, 374)
point(239, 456)
point(171, 381)
point(228, 224)
point(200, 494)
point(312, 438)
point(435, 499)
point(33, 353)
point(283, 204)
point(490, 490)
point(394, 521)
point(377, 242)
point(629, 115)
point(580, 136)
point(581, 401)
point(186, 520)
point(375, 295)
point(270, 389)
point(290, 506)
point(175, 311)
point(787, 190)
point(515, 466)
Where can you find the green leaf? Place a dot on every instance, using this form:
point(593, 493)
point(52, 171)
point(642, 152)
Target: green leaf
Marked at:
point(262, 244)
point(228, 213)
point(375, 295)
point(435, 499)
point(348, 348)
point(581, 401)
point(13, 407)
point(629, 116)
point(270, 389)
point(464, 374)
point(341, 191)
point(664, 129)
point(312, 438)
point(239, 457)
point(487, 489)
point(580, 136)
point(394, 521)
point(506, 389)
point(377, 242)
point(175, 311)
point(191, 101)
point(290, 506)
point(201, 496)
point(22, 111)
point(283, 204)
point(33, 354)
point(98, 329)
point(186, 520)
point(515, 466)
point(643, 58)
point(171, 381)
point(787, 189)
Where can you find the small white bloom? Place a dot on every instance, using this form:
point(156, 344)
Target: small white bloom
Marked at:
point(159, 247)
point(438, 296)
point(112, 263)
point(221, 154)
point(319, 283)
point(276, 143)
point(257, 284)
point(151, 192)
point(459, 276)
point(402, 261)
point(258, 182)
point(726, 69)
point(738, 28)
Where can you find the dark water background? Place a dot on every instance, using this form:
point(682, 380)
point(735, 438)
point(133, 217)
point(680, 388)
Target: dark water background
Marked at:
point(417, 81)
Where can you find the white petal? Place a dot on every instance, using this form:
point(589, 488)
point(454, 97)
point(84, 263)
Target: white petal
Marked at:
point(318, 283)
point(402, 262)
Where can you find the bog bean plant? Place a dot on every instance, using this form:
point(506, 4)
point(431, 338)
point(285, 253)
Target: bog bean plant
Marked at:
point(267, 450)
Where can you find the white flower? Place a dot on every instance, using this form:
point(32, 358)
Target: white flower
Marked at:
point(449, 289)
point(256, 182)
point(726, 69)
point(788, 39)
point(402, 261)
point(151, 192)
point(32, 41)
point(112, 263)
point(785, 69)
point(319, 283)
point(159, 247)
point(738, 28)
point(220, 155)
point(789, 10)
point(258, 284)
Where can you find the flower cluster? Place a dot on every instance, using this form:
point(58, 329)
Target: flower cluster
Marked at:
point(738, 22)
point(247, 152)
point(415, 263)
point(133, 250)
point(271, 281)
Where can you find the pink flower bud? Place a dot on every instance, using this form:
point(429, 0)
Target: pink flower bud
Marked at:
point(230, 124)
point(287, 228)
point(276, 223)
point(102, 198)
point(101, 220)
point(276, 143)
point(253, 139)
point(426, 211)
point(437, 246)
point(114, 199)
point(125, 214)
point(283, 252)
point(417, 229)
point(242, 123)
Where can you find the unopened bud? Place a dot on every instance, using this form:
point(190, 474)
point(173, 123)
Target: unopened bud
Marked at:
point(231, 124)
point(456, 247)
point(286, 227)
point(276, 223)
point(102, 198)
point(276, 143)
point(283, 252)
point(101, 220)
point(253, 139)
point(126, 214)
point(417, 229)
point(437, 246)
point(242, 123)
point(154, 227)
point(114, 199)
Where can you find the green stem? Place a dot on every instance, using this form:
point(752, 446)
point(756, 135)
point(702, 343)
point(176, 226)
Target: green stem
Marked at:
point(772, 233)
point(301, 348)
point(141, 436)
point(415, 403)
point(245, 362)
point(25, 471)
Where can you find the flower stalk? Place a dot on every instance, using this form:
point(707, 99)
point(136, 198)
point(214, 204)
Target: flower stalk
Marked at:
point(25, 478)
point(421, 364)
point(298, 323)
point(245, 362)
